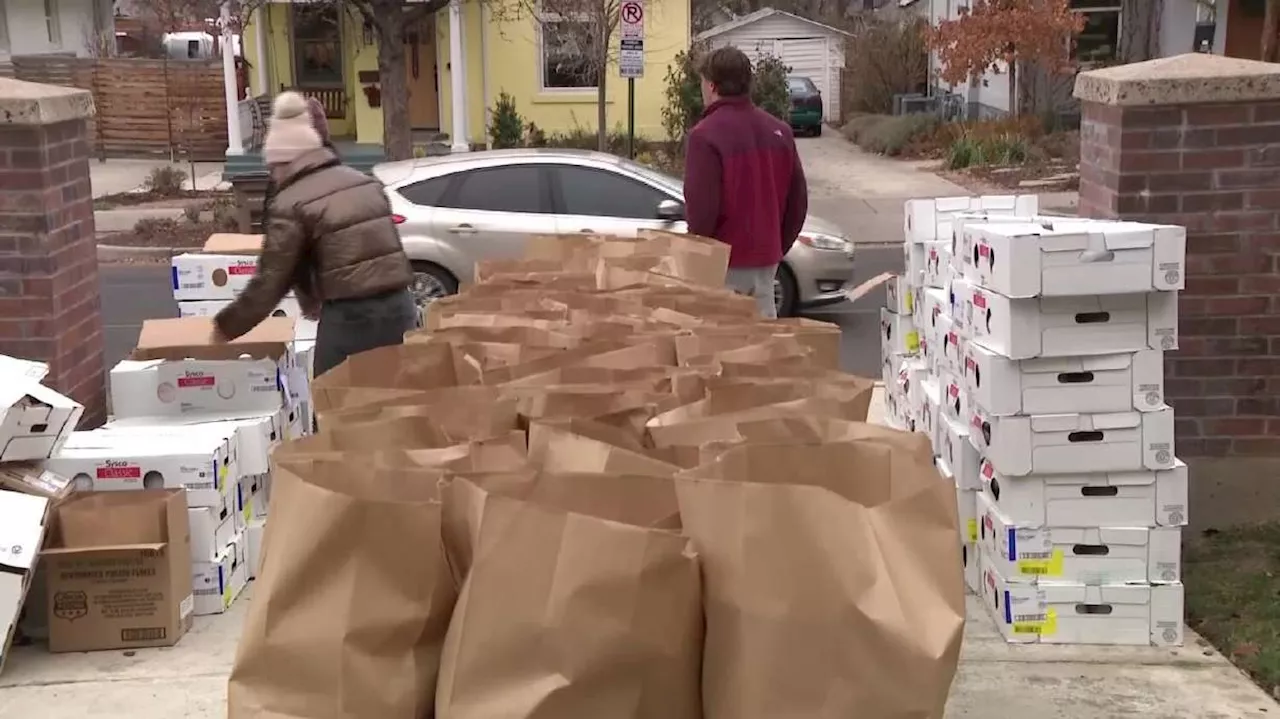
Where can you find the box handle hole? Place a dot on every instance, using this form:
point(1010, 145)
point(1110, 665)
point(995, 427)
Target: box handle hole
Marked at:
point(1075, 377)
point(1093, 318)
point(1093, 436)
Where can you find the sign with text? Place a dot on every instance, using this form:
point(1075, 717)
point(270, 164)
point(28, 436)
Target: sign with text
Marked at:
point(631, 34)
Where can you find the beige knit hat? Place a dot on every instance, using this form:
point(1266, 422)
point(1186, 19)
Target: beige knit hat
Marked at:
point(290, 133)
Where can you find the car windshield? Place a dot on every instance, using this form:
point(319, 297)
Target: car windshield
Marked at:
point(798, 85)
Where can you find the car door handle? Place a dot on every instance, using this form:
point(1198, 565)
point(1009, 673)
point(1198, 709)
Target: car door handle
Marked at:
point(587, 231)
point(463, 229)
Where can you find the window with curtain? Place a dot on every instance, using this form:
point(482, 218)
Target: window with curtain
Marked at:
point(317, 45)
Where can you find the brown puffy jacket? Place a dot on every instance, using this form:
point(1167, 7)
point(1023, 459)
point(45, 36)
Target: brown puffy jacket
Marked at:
point(329, 237)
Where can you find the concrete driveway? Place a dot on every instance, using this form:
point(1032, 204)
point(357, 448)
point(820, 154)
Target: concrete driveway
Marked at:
point(861, 192)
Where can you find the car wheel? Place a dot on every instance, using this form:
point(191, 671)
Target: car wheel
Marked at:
point(817, 130)
point(785, 292)
point(431, 282)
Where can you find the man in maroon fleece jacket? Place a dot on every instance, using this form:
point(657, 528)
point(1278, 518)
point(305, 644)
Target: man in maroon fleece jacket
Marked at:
point(743, 183)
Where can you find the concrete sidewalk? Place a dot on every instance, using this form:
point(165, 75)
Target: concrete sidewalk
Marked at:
point(996, 680)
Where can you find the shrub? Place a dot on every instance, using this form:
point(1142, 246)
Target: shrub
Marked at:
point(889, 135)
point(885, 57)
point(151, 229)
point(225, 217)
point(769, 87)
point(535, 136)
point(506, 130)
point(973, 151)
point(166, 181)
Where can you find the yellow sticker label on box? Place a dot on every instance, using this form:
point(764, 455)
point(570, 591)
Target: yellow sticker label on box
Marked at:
point(1050, 566)
point(1042, 626)
point(913, 341)
point(222, 477)
point(972, 529)
point(911, 302)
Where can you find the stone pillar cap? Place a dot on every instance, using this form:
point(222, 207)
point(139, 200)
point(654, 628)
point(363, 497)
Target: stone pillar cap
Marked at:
point(31, 103)
point(1195, 77)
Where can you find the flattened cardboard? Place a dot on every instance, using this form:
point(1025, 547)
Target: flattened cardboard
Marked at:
point(192, 338)
point(230, 243)
point(32, 478)
point(23, 519)
point(105, 593)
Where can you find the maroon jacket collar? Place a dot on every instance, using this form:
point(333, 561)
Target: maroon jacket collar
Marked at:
point(738, 101)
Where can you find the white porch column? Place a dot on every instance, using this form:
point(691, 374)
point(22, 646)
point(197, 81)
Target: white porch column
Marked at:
point(458, 78)
point(235, 141)
point(260, 48)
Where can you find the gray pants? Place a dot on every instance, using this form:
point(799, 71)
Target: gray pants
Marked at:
point(756, 282)
point(349, 327)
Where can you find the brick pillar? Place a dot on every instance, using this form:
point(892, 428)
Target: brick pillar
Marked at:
point(1194, 140)
point(49, 294)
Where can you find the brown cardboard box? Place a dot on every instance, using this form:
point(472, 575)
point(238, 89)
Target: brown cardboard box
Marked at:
point(119, 571)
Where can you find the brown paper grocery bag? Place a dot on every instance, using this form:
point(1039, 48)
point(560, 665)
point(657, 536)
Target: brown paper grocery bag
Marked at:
point(462, 413)
point(389, 372)
point(404, 432)
point(589, 612)
point(582, 445)
point(353, 597)
point(832, 586)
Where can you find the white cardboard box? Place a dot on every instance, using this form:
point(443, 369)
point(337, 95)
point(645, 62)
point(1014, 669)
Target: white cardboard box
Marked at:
point(1067, 613)
point(212, 529)
point(970, 556)
point(1084, 555)
point(252, 498)
point(960, 305)
point(937, 263)
point(253, 537)
point(177, 369)
point(1102, 499)
point(1074, 443)
point(1077, 258)
point(1056, 385)
point(254, 435)
point(958, 452)
point(930, 220)
point(23, 518)
point(898, 296)
point(962, 255)
point(1071, 326)
point(304, 329)
point(966, 503)
point(936, 308)
point(929, 409)
point(198, 464)
point(217, 583)
point(953, 345)
point(913, 262)
point(34, 420)
point(955, 399)
point(898, 333)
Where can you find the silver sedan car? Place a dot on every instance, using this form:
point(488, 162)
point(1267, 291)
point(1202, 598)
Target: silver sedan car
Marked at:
point(455, 210)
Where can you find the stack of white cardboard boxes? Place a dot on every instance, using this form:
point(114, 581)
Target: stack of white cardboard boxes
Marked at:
point(203, 418)
point(1030, 350)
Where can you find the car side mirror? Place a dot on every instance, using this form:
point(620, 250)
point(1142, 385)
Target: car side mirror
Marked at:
point(670, 210)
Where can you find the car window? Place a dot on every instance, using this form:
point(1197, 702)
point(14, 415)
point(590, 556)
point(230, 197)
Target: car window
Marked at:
point(513, 188)
point(798, 85)
point(427, 193)
point(598, 193)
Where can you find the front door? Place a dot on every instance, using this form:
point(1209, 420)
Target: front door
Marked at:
point(420, 61)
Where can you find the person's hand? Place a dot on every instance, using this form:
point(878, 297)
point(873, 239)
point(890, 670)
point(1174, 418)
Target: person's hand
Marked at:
point(216, 337)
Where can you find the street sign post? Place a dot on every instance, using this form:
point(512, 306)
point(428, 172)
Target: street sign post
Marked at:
point(631, 59)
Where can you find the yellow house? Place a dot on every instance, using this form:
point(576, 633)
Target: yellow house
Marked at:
point(329, 53)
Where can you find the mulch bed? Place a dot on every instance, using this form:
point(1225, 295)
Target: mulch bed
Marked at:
point(155, 199)
point(180, 235)
point(1032, 178)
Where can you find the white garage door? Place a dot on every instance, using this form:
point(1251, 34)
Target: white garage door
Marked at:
point(808, 58)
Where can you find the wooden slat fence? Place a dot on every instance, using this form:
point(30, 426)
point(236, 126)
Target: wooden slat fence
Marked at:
point(170, 108)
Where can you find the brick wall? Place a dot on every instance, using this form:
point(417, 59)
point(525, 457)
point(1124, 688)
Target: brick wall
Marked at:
point(49, 293)
point(1214, 168)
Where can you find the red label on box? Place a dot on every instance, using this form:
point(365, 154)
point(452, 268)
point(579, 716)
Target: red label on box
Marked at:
point(119, 472)
point(242, 269)
point(197, 381)
point(979, 300)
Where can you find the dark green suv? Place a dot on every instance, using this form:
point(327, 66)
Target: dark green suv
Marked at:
point(806, 106)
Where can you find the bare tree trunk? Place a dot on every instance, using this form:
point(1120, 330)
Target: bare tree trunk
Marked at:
point(392, 75)
point(1271, 32)
point(1015, 107)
